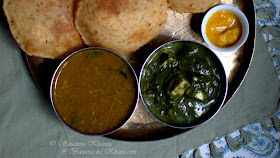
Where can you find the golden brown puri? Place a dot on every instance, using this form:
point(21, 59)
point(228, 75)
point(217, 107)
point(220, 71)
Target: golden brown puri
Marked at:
point(120, 25)
point(43, 28)
point(192, 6)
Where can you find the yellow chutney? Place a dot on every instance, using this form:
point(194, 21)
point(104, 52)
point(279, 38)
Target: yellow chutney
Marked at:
point(94, 91)
point(223, 29)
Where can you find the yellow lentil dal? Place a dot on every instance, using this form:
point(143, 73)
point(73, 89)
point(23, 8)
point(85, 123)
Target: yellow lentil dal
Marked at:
point(94, 91)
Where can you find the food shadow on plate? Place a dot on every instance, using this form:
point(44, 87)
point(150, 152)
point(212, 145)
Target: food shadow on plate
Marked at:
point(42, 72)
point(196, 21)
point(146, 134)
point(148, 130)
point(138, 58)
point(3, 18)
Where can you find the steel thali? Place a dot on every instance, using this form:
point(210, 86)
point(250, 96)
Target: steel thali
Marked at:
point(142, 126)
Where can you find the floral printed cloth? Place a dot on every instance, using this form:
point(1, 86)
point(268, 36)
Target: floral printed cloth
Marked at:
point(268, 17)
point(259, 139)
point(255, 140)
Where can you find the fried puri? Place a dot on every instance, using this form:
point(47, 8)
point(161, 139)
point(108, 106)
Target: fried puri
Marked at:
point(43, 28)
point(120, 25)
point(192, 6)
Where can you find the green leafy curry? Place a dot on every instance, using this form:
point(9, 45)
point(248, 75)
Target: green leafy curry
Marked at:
point(180, 83)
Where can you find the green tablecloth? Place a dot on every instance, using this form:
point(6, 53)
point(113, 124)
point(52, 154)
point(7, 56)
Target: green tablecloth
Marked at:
point(29, 127)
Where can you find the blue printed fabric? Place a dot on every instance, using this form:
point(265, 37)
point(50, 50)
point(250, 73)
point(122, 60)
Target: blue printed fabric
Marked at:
point(268, 18)
point(263, 143)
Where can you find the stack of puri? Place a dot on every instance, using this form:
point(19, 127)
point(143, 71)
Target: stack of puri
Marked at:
point(43, 28)
point(47, 28)
point(192, 6)
point(120, 25)
point(56, 28)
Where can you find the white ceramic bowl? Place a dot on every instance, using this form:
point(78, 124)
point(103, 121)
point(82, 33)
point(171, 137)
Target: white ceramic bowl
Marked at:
point(243, 20)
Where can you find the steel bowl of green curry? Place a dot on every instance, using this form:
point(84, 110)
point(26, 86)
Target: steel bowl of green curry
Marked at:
point(183, 84)
point(94, 91)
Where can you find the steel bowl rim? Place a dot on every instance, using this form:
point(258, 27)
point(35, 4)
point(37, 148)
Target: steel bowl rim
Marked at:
point(224, 93)
point(93, 48)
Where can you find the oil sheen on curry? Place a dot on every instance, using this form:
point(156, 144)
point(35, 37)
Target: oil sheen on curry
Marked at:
point(94, 91)
point(180, 83)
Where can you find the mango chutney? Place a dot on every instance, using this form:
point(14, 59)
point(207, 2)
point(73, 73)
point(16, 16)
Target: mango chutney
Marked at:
point(223, 29)
point(94, 91)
